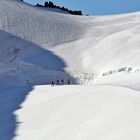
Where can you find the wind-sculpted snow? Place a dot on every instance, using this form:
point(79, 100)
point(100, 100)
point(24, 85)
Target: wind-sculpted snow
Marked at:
point(37, 25)
point(38, 46)
point(28, 61)
point(90, 45)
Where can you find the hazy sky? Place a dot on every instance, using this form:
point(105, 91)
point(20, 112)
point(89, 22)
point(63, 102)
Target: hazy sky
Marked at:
point(96, 7)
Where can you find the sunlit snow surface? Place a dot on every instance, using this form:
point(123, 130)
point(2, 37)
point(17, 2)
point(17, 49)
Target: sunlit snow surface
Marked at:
point(80, 113)
point(38, 46)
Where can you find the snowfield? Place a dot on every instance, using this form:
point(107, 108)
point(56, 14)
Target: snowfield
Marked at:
point(99, 54)
point(80, 113)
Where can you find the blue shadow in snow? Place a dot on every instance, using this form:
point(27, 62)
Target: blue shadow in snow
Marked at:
point(12, 92)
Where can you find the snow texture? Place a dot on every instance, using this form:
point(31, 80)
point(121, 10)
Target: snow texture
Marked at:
point(39, 46)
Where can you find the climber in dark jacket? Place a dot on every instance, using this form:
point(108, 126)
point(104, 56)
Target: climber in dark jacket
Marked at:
point(57, 82)
point(68, 82)
point(52, 84)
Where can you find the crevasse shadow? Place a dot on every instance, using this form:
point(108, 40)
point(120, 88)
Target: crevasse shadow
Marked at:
point(21, 60)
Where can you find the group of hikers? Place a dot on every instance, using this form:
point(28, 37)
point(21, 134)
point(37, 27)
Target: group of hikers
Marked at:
point(60, 82)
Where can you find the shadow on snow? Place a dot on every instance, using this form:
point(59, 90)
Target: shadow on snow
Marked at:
point(13, 89)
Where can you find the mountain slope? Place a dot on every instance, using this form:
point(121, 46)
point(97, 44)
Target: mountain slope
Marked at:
point(38, 46)
point(88, 45)
point(26, 21)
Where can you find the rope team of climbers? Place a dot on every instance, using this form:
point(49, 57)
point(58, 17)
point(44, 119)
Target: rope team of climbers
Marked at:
point(62, 82)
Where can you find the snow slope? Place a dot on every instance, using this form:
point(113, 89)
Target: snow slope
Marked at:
point(26, 21)
point(56, 10)
point(38, 46)
point(80, 113)
point(109, 44)
point(85, 45)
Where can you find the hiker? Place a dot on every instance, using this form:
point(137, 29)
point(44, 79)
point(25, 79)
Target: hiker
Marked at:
point(68, 82)
point(62, 82)
point(57, 82)
point(52, 84)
